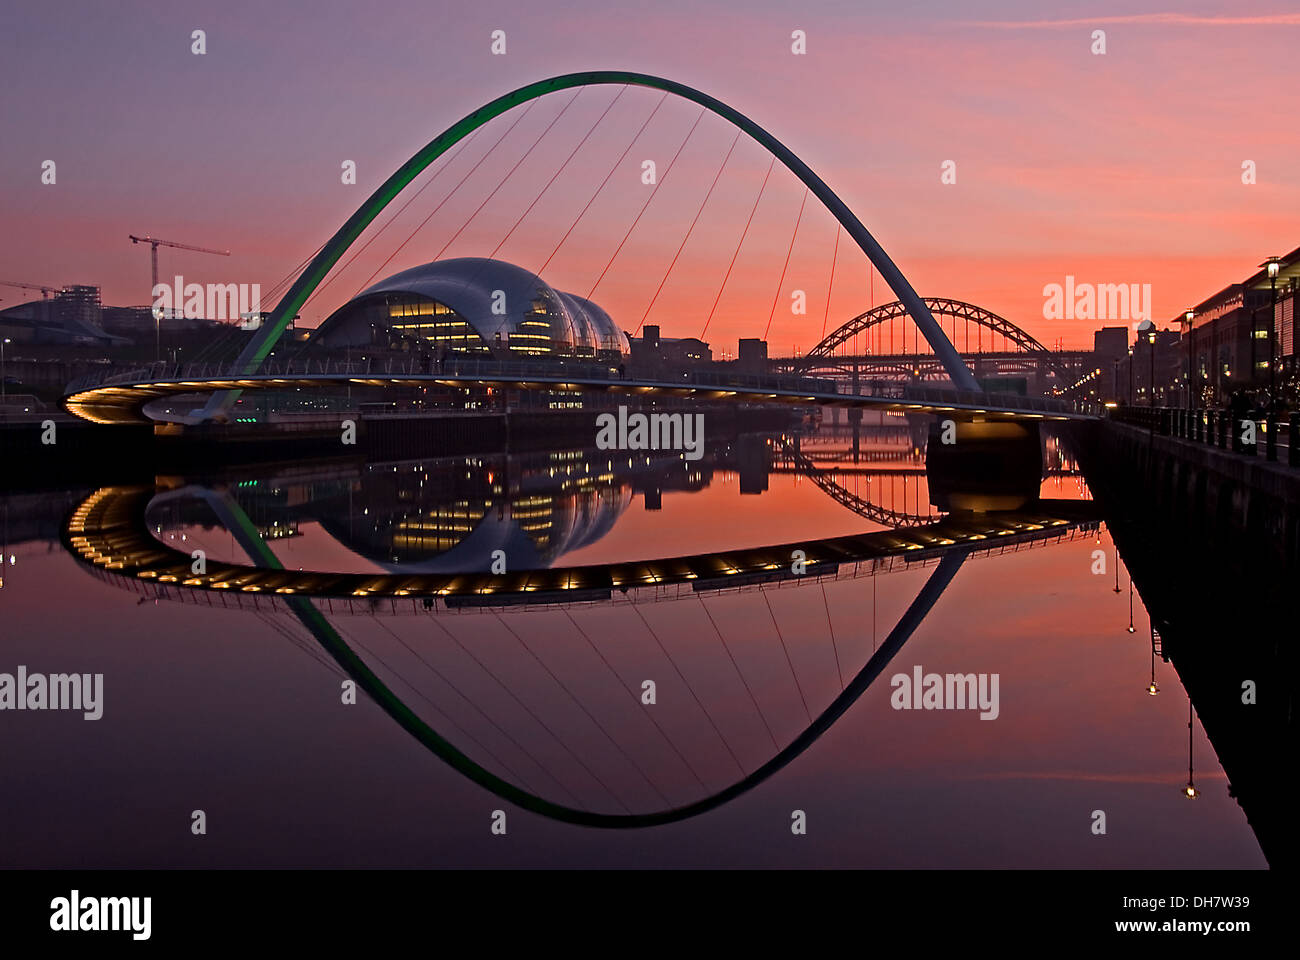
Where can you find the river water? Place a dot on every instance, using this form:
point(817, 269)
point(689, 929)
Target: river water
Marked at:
point(238, 709)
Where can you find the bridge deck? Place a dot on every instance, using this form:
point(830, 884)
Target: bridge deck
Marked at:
point(108, 531)
point(122, 398)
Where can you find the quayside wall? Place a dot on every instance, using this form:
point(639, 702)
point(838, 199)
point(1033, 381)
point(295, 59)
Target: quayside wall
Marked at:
point(1211, 539)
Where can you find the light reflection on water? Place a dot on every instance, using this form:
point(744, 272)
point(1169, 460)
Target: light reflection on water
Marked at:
point(242, 710)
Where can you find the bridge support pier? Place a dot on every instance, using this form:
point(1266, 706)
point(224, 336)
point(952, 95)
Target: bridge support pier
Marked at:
point(982, 465)
point(855, 421)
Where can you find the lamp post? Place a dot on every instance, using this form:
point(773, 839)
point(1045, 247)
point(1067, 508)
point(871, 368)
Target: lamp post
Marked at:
point(1151, 349)
point(1253, 340)
point(1147, 331)
point(1190, 791)
point(1153, 688)
point(2, 370)
point(1130, 376)
point(1274, 266)
point(1188, 317)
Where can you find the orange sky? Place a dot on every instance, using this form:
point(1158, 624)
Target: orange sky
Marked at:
point(1115, 168)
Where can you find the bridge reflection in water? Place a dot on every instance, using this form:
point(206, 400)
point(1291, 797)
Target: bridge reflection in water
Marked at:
point(531, 682)
point(536, 695)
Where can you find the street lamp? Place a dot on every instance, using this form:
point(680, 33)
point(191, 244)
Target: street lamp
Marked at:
point(1151, 382)
point(1188, 317)
point(2, 370)
point(157, 333)
point(1273, 266)
point(1190, 791)
point(1148, 331)
point(1153, 688)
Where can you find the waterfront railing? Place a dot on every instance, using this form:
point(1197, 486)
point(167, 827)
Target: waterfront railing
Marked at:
point(1254, 433)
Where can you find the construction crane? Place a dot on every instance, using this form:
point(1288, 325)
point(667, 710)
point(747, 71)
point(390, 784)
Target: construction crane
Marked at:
point(155, 243)
point(45, 289)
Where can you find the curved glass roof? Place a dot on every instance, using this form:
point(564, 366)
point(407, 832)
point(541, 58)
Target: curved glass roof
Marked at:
point(499, 298)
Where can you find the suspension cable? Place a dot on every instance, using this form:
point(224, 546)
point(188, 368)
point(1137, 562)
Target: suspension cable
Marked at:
point(716, 177)
point(509, 173)
point(443, 201)
point(830, 287)
point(793, 673)
point(786, 265)
point(375, 236)
point(579, 704)
point(726, 745)
point(743, 233)
point(540, 722)
point(659, 183)
point(632, 692)
point(831, 627)
point(572, 154)
point(476, 708)
point(622, 156)
point(732, 658)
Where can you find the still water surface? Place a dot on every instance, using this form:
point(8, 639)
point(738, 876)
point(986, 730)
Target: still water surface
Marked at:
point(238, 712)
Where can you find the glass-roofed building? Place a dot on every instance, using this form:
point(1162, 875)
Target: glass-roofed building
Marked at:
point(473, 305)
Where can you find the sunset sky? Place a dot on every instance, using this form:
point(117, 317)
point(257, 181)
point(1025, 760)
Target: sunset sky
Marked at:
point(1117, 168)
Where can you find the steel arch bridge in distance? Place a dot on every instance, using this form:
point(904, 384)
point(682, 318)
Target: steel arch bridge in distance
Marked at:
point(823, 354)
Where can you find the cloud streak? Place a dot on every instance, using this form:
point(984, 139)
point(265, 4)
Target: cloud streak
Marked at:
point(1159, 19)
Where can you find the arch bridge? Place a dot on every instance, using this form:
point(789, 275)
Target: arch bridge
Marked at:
point(981, 337)
point(126, 397)
point(314, 274)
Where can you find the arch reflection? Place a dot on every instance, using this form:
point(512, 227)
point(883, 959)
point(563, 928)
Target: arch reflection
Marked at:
point(109, 534)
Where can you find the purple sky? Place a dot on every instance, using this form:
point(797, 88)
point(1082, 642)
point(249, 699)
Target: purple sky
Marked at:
point(1122, 168)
